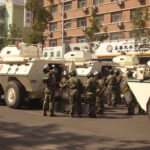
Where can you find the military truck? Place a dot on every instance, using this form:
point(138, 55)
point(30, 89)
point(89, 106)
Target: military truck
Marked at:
point(21, 72)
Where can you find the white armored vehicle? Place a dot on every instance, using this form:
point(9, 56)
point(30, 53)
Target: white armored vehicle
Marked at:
point(140, 86)
point(140, 81)
point(21, 72)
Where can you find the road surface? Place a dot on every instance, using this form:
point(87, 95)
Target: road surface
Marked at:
point(27, 129)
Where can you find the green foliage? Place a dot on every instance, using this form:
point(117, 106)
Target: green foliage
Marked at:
point(3, 41)
point(90, 32)
point(141, 32)
point(9, 38)
point(35, 37)
point(14, 33)
point(41, 17)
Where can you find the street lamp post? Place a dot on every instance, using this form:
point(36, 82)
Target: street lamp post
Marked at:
point(62, 30)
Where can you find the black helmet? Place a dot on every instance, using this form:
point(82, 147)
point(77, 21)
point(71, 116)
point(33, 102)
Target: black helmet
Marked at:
point(55, 70)
point(90, 75)
point(46, 69)
point(111, 71)
point(129, 73)
point(117, 72)
point(100, 75)
point(73, 73)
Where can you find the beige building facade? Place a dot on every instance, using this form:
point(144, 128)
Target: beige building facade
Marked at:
point(71, 17)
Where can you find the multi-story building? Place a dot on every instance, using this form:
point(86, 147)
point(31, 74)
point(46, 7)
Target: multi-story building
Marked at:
point(13, 12)
point(2, 17)
point(70, 17)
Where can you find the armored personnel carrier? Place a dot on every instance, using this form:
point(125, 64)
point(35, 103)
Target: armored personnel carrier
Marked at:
point(140, 81)
point(21, 72)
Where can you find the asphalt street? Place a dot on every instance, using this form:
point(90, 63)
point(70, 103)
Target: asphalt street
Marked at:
point(27, 129)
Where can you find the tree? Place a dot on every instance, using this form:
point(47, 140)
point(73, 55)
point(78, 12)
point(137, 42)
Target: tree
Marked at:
point(14, 33)
point(141, 32)
point(90, 32)
point(3, 41)
point(11, 36)
point(41, 17)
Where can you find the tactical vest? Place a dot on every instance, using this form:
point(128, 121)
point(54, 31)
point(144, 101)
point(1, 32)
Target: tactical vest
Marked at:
point(49, 80)
point(91, 85)
point(73, 83)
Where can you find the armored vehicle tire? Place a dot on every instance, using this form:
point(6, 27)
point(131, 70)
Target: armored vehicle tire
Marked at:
point(14, 94)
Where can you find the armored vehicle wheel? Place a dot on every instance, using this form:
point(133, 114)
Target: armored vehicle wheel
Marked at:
point(14, 94)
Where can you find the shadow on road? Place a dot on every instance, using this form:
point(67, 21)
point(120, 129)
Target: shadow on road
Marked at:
point(14, 136)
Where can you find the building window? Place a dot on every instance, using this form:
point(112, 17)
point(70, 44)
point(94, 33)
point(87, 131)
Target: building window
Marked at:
point(51, 54)
point(133, 14)
point(55, 9)
point(97, 2)
point(81, 40)
point(81, 3)
point(45, 54)
point(132, 34)
point(53, 43)
point(28, 14)
point(114, 0)
point(81, 22)
point(67, 6)
point(58, 54)
point(116, 36)
point(67, 24)
point(67, 41)
point(100, 19)
point(116, 17)
point(99, 37)
point(53, 26)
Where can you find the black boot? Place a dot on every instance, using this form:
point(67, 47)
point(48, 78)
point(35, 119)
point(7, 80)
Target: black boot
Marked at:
point(52, 115)
point(44, 113)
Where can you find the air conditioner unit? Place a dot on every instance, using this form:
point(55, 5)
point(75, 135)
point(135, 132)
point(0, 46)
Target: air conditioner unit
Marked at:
point(50, 33)
point(141, 1)
point(120, 24)
point(85, 9)
point(120, 2)
point(94, 7)
point(84, 28)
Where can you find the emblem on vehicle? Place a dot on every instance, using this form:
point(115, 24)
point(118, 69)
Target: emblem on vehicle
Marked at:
point(109, 48)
